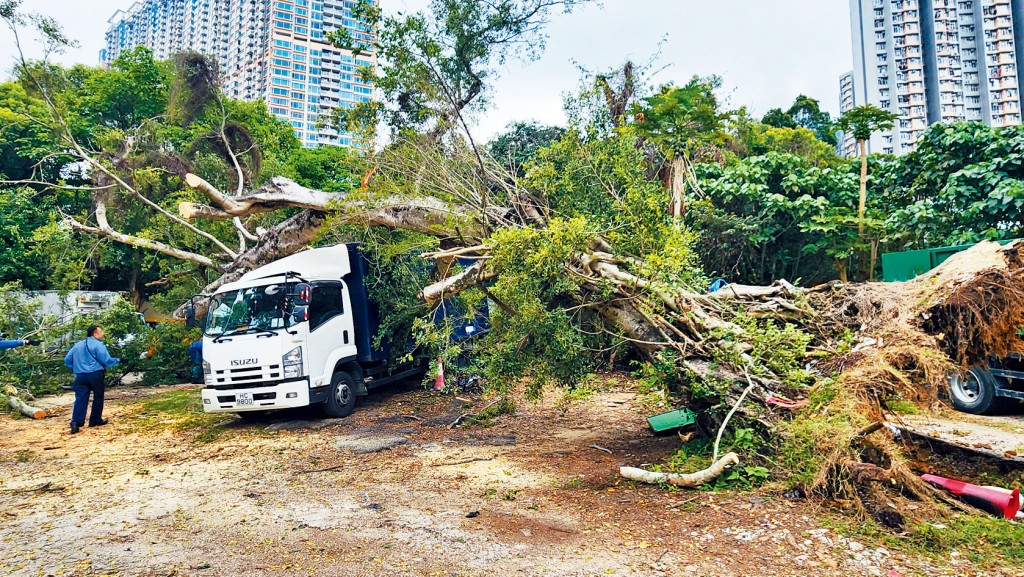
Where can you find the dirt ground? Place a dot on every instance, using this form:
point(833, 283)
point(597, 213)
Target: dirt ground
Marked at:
point(394, 490)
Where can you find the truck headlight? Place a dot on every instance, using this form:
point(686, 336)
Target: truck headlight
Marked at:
point(292, 363)
point(207, 374)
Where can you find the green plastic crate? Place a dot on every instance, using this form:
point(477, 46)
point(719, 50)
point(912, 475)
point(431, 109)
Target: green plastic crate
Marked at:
point(672, 420)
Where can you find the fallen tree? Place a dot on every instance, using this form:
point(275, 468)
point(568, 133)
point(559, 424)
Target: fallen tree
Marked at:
point(590, 252)
point(912, 333)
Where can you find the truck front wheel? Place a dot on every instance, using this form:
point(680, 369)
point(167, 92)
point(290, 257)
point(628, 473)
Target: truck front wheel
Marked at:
point(974, 392)
point(342, 399)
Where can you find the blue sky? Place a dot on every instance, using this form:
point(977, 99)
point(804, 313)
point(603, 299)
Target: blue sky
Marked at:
point(766, 51)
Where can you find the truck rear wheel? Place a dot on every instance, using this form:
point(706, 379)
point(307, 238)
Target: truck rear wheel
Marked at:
point(342, 399)
point(974, 392)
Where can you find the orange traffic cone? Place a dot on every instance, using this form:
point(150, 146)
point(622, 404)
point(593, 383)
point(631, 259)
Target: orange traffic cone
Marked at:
point(439, 383)
point(997, 501)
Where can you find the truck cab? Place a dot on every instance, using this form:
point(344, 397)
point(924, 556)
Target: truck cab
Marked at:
point(297, 332)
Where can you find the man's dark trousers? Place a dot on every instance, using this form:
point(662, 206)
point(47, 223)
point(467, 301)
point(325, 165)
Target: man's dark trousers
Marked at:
point(83, 385)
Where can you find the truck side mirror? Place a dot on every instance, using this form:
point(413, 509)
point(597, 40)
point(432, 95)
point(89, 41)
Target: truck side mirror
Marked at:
point(300, 314)
point(303, 294)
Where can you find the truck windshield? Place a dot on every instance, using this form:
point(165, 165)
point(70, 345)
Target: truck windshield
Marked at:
point(252, 308)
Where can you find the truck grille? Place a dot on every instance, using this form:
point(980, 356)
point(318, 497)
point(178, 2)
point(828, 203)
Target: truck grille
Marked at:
point(246, 377)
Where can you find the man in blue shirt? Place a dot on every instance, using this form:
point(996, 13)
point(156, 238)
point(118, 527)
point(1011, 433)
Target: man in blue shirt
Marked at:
point(89, 360)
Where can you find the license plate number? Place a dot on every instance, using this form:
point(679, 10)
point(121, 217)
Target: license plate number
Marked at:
point(243, 399)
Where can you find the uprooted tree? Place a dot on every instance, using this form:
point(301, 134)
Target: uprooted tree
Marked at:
point(585, 256)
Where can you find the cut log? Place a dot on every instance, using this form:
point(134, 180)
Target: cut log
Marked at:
point(682, 479)
point(25, 409)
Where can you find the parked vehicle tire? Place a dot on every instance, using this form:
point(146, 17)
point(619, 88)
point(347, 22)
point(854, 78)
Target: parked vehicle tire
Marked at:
point(342, 399)
point(974, 392)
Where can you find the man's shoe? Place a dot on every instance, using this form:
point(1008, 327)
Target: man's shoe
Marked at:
point(74, 427)
point(98, 423)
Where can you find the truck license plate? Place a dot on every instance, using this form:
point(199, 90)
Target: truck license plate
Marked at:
point(243, 399)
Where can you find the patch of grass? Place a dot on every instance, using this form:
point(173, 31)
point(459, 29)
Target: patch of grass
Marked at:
point(486, 417)
point(984, 541)
point(489, 493)
point(173, 411)
point(819, 436)
point(574, 483)
point(594, 383)
point(696, 454)
point(23, 456)
point(901, 407)
point(581, 391)
point(509, 495)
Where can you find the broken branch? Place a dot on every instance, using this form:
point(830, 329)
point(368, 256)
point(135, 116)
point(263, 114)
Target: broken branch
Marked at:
point(683, 479)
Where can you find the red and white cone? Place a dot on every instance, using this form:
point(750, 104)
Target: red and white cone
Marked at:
point(439, 383)
point(996, 500)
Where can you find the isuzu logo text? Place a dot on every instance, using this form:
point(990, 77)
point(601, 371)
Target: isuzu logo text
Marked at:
point(244, 362)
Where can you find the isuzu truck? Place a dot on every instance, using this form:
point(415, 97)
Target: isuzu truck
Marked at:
point(297, 332)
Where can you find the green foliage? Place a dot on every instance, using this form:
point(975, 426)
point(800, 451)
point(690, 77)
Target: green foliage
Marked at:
point(963, 183)
point(603, 182)
point(166, 360)
point(682, 119)
point(23, 142)
point(21, 214)
point(754, 223)
point(863, 121)
point(799, 142)
point(839, 237)
point(542, 339)
point(160, 353)
point(327, 168)
point(780, 349)
point(520, 144)
point(436, 63)
point(134, 90)
point(696, 454)
point(806, 112)
point(778, 119)
point(486, 417)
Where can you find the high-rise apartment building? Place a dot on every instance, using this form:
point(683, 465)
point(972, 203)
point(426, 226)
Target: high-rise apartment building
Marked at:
point(932, 61)
point(847, 100)
point(270, 50)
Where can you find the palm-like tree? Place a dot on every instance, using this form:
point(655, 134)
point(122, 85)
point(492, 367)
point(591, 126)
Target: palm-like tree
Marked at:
point(862, 122)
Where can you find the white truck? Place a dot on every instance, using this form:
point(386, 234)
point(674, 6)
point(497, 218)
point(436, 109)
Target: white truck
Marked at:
point(299, 331)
